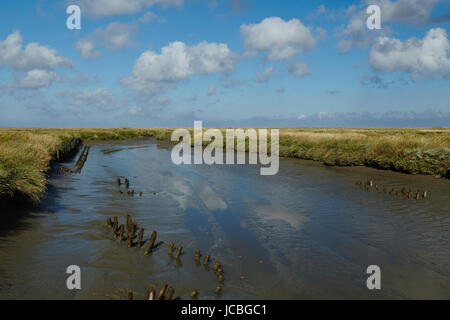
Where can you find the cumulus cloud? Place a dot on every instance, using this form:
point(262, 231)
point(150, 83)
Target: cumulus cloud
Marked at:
point(428, 57)
point(37, 78)
point(114, 36)
point(87, 49)
point(33, 56)
point(100, 98)
point(154, 73)
point(411, 12)
point(277, 38)
point(33, 65)
point(101, 8)
point(265, 75)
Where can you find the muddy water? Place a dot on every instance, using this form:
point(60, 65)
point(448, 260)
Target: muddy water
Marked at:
point(306, 233)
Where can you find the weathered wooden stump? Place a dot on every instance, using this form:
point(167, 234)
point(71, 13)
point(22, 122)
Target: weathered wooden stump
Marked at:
point(151, 294)
point(169, 294)
point(119, 183)
point(162, 292)
point(109, 222)
point(194, 294)
point(115, 228)
point(216, 265)
point(140, 238)
point(151, 243)
point(121, 232)
point(178, 253)
point(206, 260)
point(131, 235)
point(171, 245)
point(128, 222)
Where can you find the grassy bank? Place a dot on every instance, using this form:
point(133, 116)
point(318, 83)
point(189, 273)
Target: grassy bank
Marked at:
point(25, 154)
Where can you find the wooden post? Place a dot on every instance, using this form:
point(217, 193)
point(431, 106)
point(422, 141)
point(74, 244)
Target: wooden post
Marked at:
point(131, 236)
point(127, 183)
point(128, 222)
point(216, 265)
point(141, 236)
point(115, 228)
point(162, 291)
point(130, 295)
point(151, 242)
point(206, 261)
point(170, 293)
point(151, 294)
point(194, 294)
point(118, 182)
point(197, 254)
point(171, 245)
point(177, 254)
point(109, 223)
point(121, 232)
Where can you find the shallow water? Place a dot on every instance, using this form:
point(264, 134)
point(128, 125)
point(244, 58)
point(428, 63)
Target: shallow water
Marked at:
point(307, 233)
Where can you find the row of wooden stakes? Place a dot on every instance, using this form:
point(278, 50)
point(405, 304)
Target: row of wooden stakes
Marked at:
point(80, 162)
point(166, 293)
point(407, 194)
point(128, 191)
point(128, 233)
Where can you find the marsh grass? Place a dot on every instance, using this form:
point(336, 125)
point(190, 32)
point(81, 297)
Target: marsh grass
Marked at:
point(25, 153)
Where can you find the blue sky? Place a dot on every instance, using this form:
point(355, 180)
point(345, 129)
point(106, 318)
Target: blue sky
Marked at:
point(228, 63)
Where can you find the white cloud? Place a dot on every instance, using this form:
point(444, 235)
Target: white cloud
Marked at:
point(37, 78)
point(299, 69)
point(116, 7)
point(32, 65)
point(265, 75)
point(211, 89)
point(356, 34)
point(278, 38)
point(407, 11)
point(427, 57)
point(156, 72)
point(87, 49)
point(148, 17)
point(100, 98)
point(114, 36)
point(33, 56)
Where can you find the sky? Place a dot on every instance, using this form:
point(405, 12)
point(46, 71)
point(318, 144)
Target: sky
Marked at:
point(227, 63)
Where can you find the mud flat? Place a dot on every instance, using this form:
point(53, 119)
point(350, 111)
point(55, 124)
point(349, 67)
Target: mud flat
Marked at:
point(308, 232)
